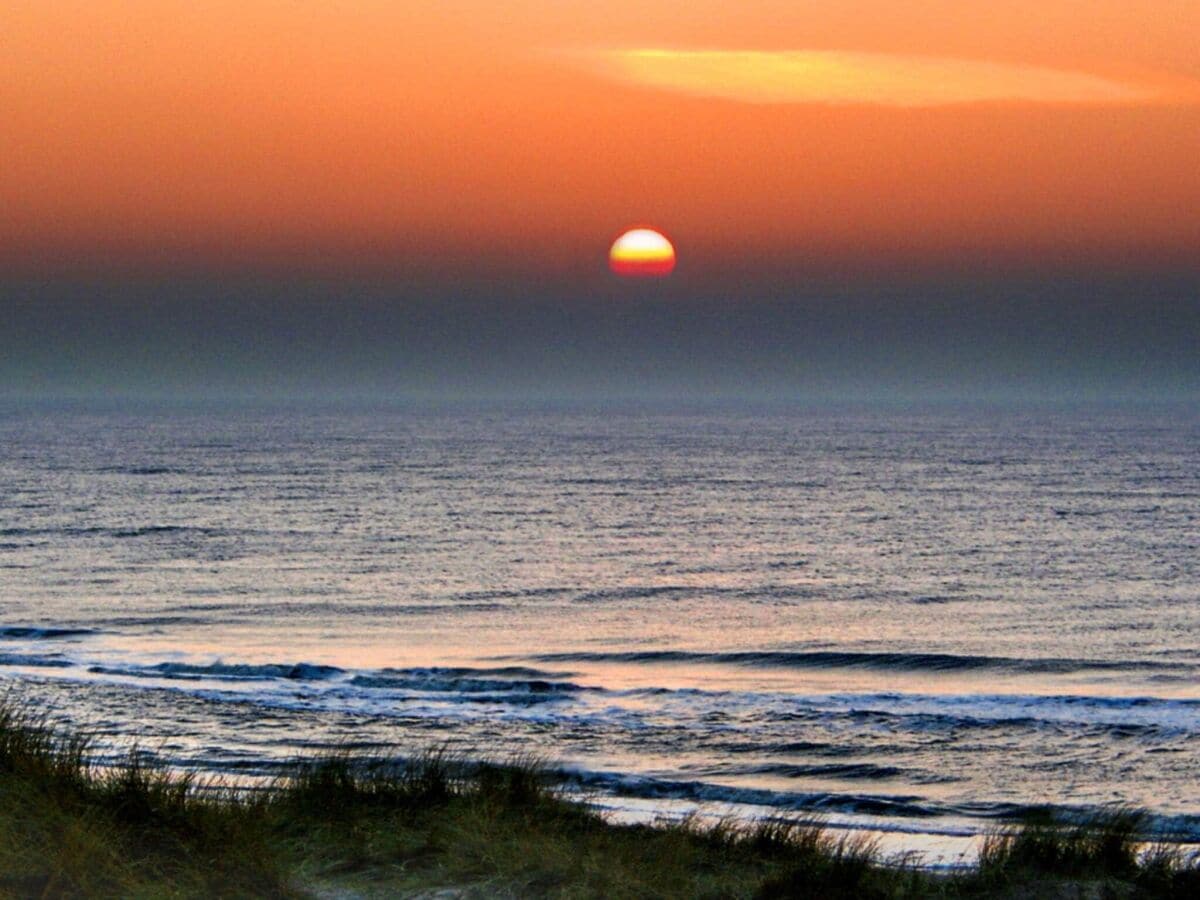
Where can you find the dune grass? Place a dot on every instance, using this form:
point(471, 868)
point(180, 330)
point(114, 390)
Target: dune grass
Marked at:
point(343, 826)
point(1110, 848)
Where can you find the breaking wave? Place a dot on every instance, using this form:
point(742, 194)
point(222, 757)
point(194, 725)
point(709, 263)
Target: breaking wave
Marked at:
point(838, 659)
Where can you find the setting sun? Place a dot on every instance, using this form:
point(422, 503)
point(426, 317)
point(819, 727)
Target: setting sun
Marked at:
point(642, 253)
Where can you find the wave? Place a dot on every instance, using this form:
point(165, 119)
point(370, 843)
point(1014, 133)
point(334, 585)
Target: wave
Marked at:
point(926, 814)
point(654, 788)
point(518, 685)
point(39, 633)
point(394, 691)
point(512, 594)
point(226, 671)
point(858, 771)
point(148, 530)
point(501, 671)
point(464, 681)
point(132, 531)
point(839, 659)
point(919, 712)
point(41, 662)
point(143, 470)
point(1166, 718)
point(758, 592)
point(639, 593)
point(853, 771)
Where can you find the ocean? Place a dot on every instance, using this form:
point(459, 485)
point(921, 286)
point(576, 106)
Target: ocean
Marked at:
point(920, 623)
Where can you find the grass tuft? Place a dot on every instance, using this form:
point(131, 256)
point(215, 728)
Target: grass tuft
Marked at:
point(1107, 844)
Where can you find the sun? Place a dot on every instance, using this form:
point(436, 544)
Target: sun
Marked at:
point(642, 253)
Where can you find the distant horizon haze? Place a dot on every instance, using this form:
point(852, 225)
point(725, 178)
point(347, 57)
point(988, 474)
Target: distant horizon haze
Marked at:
point(1040, 337)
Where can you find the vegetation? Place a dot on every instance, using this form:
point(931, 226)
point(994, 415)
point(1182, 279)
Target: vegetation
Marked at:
point(437, 827)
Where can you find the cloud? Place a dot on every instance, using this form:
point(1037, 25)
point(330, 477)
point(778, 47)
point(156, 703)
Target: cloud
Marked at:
point(845, 78)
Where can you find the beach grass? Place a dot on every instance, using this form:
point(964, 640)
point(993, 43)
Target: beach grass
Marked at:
point(343, 826)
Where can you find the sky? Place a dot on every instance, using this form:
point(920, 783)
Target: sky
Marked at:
point(876, 198)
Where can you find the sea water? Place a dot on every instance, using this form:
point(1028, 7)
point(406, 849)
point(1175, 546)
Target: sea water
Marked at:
point(920, 622)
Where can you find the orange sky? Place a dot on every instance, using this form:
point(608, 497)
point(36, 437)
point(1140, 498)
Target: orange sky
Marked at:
point(460, 135)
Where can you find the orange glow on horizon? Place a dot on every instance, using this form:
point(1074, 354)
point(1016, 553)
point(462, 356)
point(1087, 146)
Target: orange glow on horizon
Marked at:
point(451, 138)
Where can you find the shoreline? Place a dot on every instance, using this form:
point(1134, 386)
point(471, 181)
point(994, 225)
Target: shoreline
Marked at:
point(348, 826)
point(940, 842)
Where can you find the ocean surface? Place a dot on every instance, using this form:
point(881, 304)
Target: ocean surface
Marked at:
point(920, 623)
